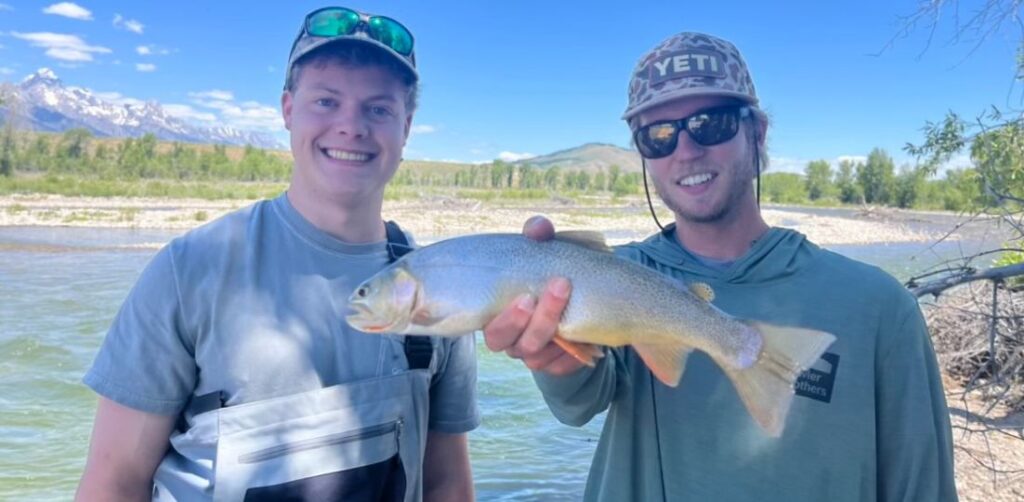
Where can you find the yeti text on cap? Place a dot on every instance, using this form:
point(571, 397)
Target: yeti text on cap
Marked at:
point(688, 63)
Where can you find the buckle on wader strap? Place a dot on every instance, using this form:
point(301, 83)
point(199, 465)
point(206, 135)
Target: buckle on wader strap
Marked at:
point(418, 349)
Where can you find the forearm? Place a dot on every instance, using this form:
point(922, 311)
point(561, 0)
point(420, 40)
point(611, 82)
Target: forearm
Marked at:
point(435, 490)
point(127, 446)
point(446, 471)
point(97, 487)
point(576, 398)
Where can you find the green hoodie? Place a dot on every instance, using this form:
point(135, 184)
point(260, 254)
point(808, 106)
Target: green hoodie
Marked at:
point(869, 421)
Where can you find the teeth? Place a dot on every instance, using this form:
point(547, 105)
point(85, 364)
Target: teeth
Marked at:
point(696, 179)
point(343, 155)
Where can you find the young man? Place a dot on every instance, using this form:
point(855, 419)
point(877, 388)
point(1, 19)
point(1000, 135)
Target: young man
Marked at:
point(869, 420)
point(230, 372)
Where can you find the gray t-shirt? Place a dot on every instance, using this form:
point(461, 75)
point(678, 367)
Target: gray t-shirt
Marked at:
point(251, 307)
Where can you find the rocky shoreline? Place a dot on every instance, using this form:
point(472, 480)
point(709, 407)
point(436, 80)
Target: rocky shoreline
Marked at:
point(434, 218)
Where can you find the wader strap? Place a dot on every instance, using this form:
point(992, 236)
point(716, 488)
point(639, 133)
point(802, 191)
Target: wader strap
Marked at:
point(200, 404)
point(418, 349)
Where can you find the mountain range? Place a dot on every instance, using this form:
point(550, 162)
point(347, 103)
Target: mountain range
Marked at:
point(42, 102)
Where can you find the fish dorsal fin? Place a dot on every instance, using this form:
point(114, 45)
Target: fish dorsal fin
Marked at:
point(586, 238)
point(703, 291)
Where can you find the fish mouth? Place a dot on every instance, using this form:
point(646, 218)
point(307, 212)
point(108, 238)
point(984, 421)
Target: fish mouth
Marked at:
point(364, 320)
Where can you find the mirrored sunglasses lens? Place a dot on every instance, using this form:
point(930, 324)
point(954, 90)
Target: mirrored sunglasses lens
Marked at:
point(713, 127)
point(657, 140)
point(392, 34)
point(332, 22)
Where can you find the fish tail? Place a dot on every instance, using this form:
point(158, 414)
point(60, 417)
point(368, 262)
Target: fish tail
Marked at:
point(766, 387)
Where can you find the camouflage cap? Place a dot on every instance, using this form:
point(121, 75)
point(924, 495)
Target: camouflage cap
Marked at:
point(689, 64)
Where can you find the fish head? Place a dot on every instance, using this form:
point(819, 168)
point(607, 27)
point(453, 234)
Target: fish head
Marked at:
point(384, 303)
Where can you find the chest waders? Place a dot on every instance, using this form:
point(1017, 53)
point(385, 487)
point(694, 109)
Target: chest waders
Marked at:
point(359, 441)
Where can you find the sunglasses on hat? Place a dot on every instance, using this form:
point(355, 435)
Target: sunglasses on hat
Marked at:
point(339, 21)
point(706, 128)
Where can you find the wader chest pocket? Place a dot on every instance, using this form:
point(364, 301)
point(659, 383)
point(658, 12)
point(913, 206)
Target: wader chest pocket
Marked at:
point(372, 469)
point(354, 442)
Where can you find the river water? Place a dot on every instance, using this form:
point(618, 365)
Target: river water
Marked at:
point(60, 288)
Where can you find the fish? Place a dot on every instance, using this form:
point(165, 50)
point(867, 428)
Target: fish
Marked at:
point(456, 286)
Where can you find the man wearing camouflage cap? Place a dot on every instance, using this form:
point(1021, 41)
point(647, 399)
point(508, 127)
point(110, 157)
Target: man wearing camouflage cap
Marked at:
point(869, 420)
point(230, 373)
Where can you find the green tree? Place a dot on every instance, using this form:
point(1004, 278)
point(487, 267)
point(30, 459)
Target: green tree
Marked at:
point(552, 177)
point(818, 177)
point(38, 157)
point(599, 180)
point(784, 188)
point(998, 155)
point(846, 182)
point(74, 144)
point(500, 171)
point(614, 172)
point(626, 184)
point(876, 177)
point(8, 151)
point(962, 190)
point(908, 187)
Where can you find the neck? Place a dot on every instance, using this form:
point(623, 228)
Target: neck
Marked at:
point(353, 221)
point(727, 238)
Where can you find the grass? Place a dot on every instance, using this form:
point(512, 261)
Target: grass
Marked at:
point(172, 189)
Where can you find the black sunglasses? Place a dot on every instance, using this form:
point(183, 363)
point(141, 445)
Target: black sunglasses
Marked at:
point(706, 128)
point(339, 21)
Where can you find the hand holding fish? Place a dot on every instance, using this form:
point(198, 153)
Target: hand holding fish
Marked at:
point(489, 281)
point(526, 328)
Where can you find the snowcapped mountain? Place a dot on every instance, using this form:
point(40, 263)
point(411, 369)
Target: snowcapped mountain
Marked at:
point(43, 103)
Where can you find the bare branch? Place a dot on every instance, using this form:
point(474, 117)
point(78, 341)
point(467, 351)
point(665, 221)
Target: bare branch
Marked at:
point(940, 285)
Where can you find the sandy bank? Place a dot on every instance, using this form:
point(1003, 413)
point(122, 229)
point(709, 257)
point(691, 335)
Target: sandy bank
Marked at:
point(438, 217)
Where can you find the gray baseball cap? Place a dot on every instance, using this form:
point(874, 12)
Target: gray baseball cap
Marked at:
point(366, 32)
point(689, 64)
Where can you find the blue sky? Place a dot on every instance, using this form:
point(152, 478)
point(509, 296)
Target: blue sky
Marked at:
point(508, 79)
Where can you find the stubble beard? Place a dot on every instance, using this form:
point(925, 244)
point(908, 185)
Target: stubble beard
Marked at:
point(739, 187)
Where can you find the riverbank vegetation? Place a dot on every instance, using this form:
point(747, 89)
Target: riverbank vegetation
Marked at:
point(75, 163)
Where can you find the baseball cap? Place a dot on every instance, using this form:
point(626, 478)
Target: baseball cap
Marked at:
point(689, 64)
point(379, 31)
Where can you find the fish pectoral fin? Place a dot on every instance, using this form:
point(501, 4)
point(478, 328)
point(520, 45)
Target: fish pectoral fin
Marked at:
point(423, 317)
point(665, 362)
point(586, 238)
point(583, 352)
point(703, 291)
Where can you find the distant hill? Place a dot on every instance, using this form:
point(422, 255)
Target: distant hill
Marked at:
point(589, 157)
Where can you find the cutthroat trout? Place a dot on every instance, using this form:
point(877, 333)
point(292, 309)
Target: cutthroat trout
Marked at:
point(457, 286)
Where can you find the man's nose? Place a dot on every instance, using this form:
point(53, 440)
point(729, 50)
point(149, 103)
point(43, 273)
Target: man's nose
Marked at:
point(350, 121)
point(686, 148)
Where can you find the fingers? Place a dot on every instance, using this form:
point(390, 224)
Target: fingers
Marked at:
point(543, 324)
point(540, 360)
point(525, 329)
point(539, 228)
point(505, 329)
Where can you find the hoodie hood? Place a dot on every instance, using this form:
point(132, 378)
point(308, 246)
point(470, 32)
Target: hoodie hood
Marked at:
point(778, 254)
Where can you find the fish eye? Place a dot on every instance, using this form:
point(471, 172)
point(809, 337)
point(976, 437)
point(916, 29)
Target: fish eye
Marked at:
point(362, 291)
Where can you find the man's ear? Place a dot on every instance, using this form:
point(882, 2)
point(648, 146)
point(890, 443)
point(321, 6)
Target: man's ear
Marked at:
point(761, 133)
point(408, 126)
point(286, 109)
